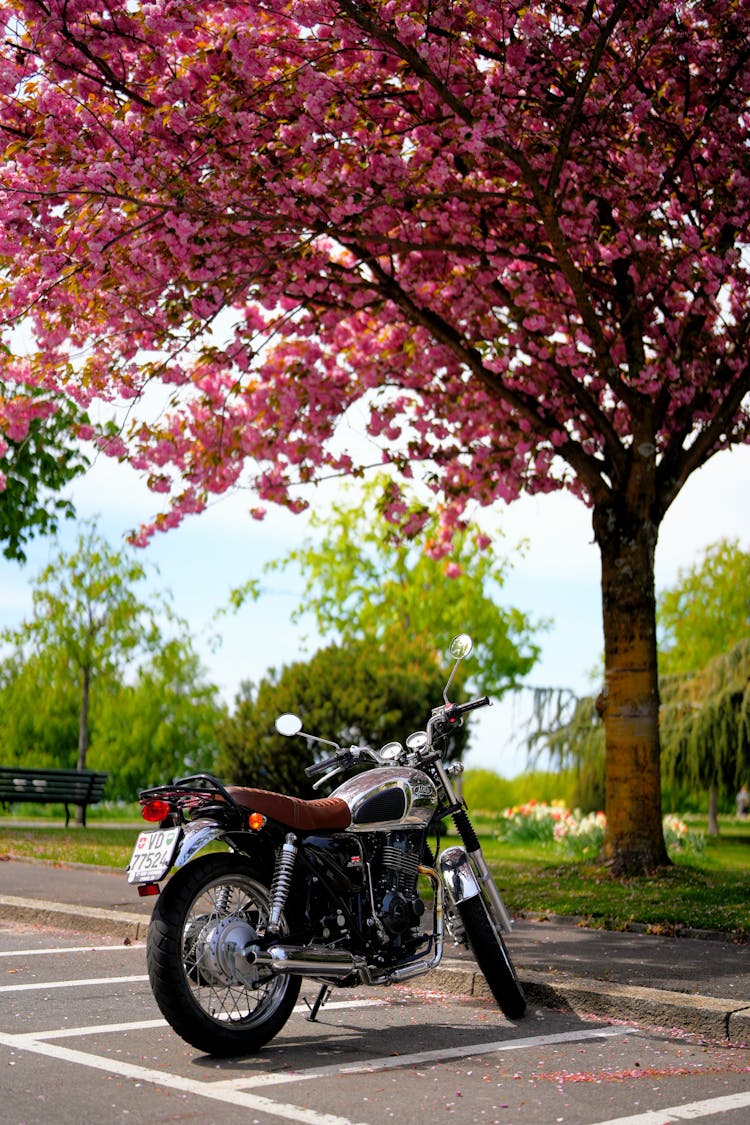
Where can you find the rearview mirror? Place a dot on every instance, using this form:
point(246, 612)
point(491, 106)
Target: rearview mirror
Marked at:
point(461, 646)
point(288, 724)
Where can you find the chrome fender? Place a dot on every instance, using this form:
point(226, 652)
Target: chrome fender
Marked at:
point(459, 879)
point(195, 836)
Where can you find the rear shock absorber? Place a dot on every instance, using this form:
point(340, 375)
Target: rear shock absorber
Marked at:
point(282, 882)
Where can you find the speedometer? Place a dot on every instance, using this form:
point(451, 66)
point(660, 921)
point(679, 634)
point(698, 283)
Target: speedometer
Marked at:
point(391, 752)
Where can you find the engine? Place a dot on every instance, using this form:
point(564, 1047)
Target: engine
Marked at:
point(397, 900)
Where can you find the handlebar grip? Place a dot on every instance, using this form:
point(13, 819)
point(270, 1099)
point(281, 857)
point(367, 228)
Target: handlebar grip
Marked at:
point(322, 766)
point(483, 701)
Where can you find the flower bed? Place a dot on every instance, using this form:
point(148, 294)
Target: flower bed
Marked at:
point(581, 834)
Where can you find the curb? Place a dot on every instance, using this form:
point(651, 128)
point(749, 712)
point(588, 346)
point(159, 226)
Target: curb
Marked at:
point(116, 924)
point(716, 1018)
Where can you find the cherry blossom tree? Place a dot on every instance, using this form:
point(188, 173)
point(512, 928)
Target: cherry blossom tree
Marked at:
point(512, 232)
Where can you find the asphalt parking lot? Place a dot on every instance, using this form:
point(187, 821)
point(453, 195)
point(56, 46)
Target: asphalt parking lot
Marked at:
point(81, 1040)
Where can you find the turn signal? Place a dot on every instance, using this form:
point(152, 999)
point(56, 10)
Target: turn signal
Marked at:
point(155, 811)
point(256, 821)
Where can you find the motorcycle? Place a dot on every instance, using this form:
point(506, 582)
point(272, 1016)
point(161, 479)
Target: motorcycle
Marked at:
point(331, 889)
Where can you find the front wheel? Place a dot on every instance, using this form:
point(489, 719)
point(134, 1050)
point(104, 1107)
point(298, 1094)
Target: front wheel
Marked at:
point(205, 990)
point(488, 947)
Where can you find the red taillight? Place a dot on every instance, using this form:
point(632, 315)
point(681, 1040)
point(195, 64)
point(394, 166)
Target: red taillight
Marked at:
point(147, 889)
point(156, 810)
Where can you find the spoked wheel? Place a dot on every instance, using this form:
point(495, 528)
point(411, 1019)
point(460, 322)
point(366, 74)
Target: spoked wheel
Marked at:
point(488, 947)
point(207, 992)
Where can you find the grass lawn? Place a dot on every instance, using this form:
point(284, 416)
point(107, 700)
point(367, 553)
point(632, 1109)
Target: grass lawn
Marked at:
point(707, 891)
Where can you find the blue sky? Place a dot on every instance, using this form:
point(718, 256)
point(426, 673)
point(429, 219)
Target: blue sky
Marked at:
point(557, 577)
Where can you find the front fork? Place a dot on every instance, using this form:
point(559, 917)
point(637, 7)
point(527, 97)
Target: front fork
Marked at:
point(465, 870)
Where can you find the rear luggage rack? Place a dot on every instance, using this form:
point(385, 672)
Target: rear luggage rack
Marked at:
point(194, 796)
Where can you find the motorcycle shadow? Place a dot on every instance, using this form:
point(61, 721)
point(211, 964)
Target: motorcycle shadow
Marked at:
point(364, 1028)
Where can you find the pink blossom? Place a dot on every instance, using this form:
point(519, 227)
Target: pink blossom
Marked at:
point(282, 220)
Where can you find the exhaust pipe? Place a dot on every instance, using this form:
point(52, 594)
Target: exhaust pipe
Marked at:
point(304, 960)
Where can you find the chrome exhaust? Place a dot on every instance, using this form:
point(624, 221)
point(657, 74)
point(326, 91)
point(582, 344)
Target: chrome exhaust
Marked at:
point(304, 960)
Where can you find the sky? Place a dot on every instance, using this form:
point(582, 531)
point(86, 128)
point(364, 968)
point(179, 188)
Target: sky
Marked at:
point(556, 577)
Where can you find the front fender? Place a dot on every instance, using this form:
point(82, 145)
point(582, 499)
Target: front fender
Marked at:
point(459, 879)
point(196, 835)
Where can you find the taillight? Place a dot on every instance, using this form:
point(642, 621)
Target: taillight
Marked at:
point(147, 889)
point(156, 811)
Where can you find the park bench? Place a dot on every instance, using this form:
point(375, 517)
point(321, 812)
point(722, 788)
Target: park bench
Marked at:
point(52, 786)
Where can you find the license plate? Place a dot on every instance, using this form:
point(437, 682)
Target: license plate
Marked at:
point(152, 855)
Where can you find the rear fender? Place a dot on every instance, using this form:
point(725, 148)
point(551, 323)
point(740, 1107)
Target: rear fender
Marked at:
point(195, 836)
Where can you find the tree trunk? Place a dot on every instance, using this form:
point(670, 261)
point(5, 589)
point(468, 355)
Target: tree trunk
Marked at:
point(629, 703)
point(83, 731)
point(713, 809)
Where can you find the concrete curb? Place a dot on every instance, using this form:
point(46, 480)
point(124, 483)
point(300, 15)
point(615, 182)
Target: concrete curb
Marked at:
point(716, 1018)
point(113, 923)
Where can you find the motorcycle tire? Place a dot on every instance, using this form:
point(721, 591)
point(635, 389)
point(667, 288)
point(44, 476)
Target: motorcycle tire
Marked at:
point(493, 958)
point(216, 903)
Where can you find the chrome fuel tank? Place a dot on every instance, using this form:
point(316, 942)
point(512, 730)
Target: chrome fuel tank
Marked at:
point(382, 798)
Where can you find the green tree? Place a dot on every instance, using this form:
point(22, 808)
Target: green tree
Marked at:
point(370, 578)
point(356, 693)
point(87, 621)
point(705, 721)
point(707, 611)
point(704, 619)
point(34, 466)
point(162, 726)
point(40, 713)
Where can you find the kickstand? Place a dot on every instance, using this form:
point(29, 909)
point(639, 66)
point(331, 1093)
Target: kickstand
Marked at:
point(320, 1000)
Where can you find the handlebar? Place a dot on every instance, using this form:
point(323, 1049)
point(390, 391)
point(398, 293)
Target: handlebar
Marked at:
point(326, 764)
point(482, 701)
point(443, 718)
point(443, 715)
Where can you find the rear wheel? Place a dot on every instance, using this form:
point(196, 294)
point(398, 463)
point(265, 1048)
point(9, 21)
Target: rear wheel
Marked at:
point(488, 947)
point(208, 911)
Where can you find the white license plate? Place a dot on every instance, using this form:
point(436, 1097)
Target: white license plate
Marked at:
point(152, 855)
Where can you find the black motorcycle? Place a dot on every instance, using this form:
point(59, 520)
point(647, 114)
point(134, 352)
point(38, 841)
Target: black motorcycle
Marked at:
point(332, 889)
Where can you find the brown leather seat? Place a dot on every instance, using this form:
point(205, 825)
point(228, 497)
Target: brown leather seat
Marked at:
point(328, 812)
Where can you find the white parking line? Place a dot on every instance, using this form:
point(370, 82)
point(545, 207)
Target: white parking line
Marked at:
point(421, 1058)
point(237, 1098)
point(145, 1025)
point(70, 983)
point(234, 1092)
point(92, 1029)
point(71, 949)
point(709, 1107)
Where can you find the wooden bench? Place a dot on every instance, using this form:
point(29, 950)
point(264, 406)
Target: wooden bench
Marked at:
point(48, 787)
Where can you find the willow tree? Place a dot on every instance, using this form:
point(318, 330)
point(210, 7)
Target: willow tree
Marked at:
point(512, 231)
point(704, 619)
point(706, 612)
point(706, 725)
